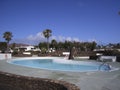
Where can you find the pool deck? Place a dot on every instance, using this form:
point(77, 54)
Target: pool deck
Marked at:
point(98, 80)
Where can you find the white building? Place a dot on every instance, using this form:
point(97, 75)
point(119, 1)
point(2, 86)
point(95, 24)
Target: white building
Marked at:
point(28, 48)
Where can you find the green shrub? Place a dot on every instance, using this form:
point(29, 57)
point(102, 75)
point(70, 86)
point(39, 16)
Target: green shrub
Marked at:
point(15, 52)
point(43, 50)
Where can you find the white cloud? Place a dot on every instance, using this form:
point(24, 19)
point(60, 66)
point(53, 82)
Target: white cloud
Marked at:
point(53, 37)
point(69, 39)
point(76, 39)
point(31, 39)
point(37, 38)
point(61, 38)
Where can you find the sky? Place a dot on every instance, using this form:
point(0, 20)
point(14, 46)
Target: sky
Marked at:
point(72, 20)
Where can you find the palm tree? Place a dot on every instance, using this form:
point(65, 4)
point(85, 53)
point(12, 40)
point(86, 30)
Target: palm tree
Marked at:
point(119, 13)
point(47, 34)
point(8, 36)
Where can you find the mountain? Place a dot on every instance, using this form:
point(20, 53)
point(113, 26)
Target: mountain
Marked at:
point(18, 44)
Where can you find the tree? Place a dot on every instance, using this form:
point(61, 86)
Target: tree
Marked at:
point(13, 45)
point(42, 45)
point(47, 34)
point(3, 46)
point(8, 36)
point(92, 45)
point(54, 43)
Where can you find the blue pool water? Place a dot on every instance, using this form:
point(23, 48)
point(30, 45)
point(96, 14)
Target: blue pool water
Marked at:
point(50, 64)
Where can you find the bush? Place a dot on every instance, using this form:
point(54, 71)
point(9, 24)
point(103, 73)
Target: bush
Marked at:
point(118, 59)
point(111, 53)
point(43, 50)
point(15, 52)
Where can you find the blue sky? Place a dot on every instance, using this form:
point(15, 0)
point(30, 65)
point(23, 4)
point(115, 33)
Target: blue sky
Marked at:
point(79, 20)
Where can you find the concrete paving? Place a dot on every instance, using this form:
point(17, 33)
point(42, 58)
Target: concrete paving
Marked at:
point(98, 80)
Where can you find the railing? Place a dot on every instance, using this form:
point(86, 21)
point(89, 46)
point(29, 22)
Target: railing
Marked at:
point(107, 68)
point(102, 65)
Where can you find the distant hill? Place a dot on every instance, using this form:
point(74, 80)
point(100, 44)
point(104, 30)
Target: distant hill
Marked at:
point(19, 44)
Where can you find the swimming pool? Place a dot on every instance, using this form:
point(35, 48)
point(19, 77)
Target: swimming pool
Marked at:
point(61, 65)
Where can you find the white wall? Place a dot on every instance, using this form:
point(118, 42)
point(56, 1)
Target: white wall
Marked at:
point(28, 48)
point(5, 56)
point(108, 58)
point(27, 53)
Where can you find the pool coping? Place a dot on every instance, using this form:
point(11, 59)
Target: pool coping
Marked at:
point(62, 61)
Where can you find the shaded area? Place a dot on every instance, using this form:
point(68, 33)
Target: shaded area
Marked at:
point(10, 81)
point(71, 53)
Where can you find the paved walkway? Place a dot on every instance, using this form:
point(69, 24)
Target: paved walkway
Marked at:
point(85, 80)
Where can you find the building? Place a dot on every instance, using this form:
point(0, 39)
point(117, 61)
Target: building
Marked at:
point(27, 48)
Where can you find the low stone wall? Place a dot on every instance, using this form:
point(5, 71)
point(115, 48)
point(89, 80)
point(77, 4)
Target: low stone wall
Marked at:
point(10, 81)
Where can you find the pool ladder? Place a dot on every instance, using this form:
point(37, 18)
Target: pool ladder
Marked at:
point(102, 65)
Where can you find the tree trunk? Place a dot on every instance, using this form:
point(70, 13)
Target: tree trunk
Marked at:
point(48, 44)
point(7, 47)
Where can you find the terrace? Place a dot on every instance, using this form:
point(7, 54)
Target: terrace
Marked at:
point(84, 80)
